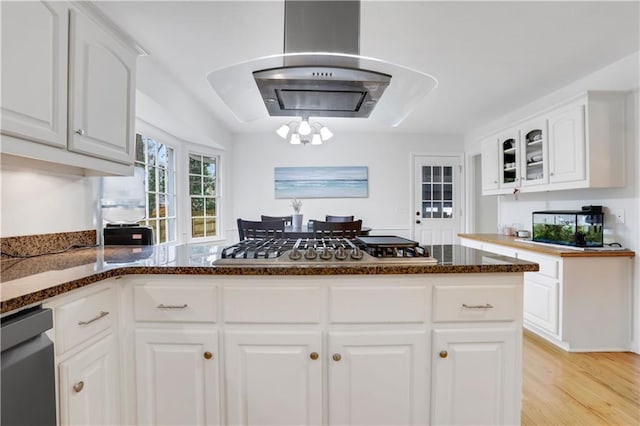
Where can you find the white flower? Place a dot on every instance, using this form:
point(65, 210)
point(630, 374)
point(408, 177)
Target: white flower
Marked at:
point(297, 205)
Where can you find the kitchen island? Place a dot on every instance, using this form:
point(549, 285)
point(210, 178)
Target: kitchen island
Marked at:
point(258, 344)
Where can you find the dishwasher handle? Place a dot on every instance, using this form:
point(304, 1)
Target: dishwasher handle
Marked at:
point(24, 325)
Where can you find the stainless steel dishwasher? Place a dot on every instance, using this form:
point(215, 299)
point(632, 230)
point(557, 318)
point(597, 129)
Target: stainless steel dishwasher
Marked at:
point(27, 382)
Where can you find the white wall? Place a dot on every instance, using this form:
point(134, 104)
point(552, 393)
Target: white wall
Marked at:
point(387, 156)
point(164, 103)
point(43, 198)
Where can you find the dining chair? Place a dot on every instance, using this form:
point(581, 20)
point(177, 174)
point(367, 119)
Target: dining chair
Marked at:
point(349, 229)
point(329, 218)
point(288, 220)
point(251, 230)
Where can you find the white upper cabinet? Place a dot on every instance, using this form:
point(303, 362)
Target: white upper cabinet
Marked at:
point(490, 165)
point(534, 153)
point(509, 149)
point(34, 71)
point(567, 145)
point(580, 144)
point(68, 87)
point(101, 92)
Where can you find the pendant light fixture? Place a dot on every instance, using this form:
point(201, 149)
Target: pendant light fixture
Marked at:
point(304, 132)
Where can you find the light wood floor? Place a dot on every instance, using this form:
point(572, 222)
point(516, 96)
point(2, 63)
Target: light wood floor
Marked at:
point(564, 388)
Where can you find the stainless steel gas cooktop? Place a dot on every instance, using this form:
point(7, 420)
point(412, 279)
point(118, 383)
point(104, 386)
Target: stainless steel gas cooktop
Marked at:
point(365, 250)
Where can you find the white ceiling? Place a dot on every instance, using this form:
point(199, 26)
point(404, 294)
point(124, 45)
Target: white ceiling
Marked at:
point(489, 57)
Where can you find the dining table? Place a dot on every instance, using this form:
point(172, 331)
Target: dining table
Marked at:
point(307, 231)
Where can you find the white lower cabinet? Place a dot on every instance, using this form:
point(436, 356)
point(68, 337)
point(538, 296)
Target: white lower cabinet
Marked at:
point(377, 377)
point(579, 303)
point(541, 302)
point(177, 376)
point(89, 385)
point(87, 355)
point(475, 377)
point(273, 377)
point(326, 350)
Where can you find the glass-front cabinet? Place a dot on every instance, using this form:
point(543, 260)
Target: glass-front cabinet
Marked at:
point(534, 164)
point(509, 150)
point(523, 156)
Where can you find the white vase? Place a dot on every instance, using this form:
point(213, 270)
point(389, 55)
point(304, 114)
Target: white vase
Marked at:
point(296, 220)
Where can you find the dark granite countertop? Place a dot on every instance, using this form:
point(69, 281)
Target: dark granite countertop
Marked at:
point(27, 281)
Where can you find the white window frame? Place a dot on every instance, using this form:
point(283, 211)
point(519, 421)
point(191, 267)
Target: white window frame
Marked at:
point(159, 137)
point(187, 219)
point(182, 148)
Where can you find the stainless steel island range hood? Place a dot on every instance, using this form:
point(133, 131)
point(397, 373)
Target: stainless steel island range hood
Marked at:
point(301, 88)
point(320, 73)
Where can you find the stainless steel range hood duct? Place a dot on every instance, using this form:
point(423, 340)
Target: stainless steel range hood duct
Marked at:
point(321, 72)
point(301, 88)
point(322, 26)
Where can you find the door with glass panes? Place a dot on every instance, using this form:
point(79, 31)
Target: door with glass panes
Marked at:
point(437, 200)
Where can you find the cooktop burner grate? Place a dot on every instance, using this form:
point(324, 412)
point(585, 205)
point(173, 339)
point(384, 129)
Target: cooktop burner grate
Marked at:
point(311, 249)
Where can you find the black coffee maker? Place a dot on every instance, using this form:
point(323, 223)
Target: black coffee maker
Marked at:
point(127, 234)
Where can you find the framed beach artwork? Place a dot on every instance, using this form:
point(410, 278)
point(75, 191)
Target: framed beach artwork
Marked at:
point(322, 182)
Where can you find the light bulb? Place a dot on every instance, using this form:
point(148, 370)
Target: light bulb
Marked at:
point(295, 139)
point(316, 139)
point(325, 133)
point(304, 129)
point(283, 131)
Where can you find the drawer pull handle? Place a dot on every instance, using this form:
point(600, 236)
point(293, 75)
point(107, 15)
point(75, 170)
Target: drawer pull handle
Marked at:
point(78, 386)
point(161, 306)
point(102, 314)
point(485, 306)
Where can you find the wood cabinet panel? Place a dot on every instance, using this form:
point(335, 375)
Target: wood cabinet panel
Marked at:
point(474, 377)
point(177, 376)
point(101, 92)
point(377, 378)
point(34, 71)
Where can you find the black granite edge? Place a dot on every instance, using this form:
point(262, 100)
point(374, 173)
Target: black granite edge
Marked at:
point(58, 289)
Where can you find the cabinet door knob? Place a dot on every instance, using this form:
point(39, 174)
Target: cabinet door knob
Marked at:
point(78, 386)
point(80, 132)
point(336, 357)
point(443, 354)
point(207, 355)
point(313, 355)
point(418, 222)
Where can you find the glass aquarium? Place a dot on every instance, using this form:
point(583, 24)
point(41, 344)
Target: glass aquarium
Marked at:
point(582, 228)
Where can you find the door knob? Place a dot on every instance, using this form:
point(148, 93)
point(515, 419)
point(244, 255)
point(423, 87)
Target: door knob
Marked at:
point(313, 355)
point(207, 355)
point(78, 386)
point(418, 221)
point(443, 354)
point(336, 357)
point(79, 131)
